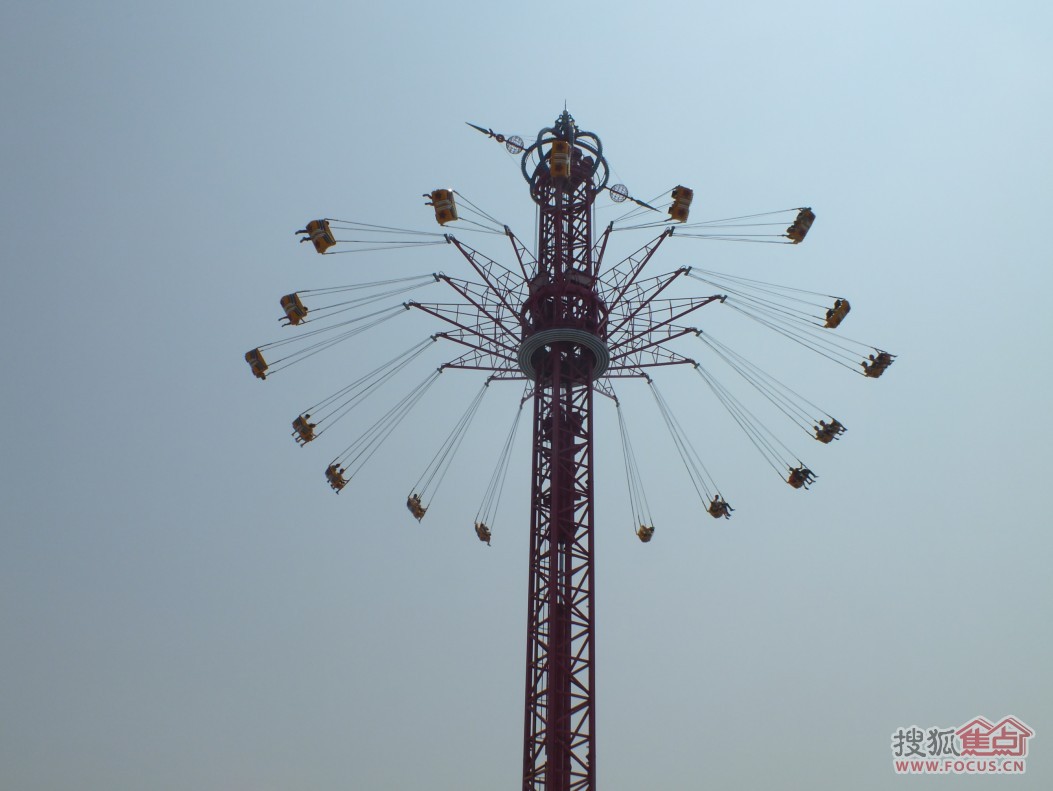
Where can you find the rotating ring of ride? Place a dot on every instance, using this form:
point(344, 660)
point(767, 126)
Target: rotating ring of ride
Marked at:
point(582, 140)
point(600, 353)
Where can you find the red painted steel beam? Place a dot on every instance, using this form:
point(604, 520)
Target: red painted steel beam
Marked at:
point(559, 727)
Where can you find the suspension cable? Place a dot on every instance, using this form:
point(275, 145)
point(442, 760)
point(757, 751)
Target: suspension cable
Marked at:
point(640, 208)
point(771, 388)
point(701, 479)
point(770, 306)
point(333, 408)
point(361, 286)
point(742, 217)
point(379, 317)
point(351, 304)
point(322, 330)
point(355, 455)
point(760, 435)
point(440, 463)
point(734, 238)
point(354, 225)
point(492, 497)
point(480, 212)
point(393, 245)
point(835, 351)
point(641, 511)
point(775, 289)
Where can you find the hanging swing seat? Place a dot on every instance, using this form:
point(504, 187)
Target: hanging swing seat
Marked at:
point(303, 432)
point(799, 228)
point(317, 231)
point(800, 477)
point(682, 197)
point(644, 533)
point(415, 507)
point(483, 532)
point(335, 476)
point(719, 508)
point(444, 205)
point(828, 432)
point(295, 311)
point(837, 313)
point(255, 360)
point(873, 367)
point(559, 160)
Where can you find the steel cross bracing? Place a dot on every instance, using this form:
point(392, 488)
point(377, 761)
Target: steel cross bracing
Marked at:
point(559, 729)
point(563, 323)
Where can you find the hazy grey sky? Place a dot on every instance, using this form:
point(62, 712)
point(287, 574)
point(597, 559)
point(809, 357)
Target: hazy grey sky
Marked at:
point(184, 604)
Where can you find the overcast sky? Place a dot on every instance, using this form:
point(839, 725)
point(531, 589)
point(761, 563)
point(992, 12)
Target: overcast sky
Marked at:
point(185, 604)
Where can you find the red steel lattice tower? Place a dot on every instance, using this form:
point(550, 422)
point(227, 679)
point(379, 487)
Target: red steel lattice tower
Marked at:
point(578, 328)
point(566, 327)
point(564, 330)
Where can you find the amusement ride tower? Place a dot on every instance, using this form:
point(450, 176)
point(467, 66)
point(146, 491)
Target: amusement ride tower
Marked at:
point(563, 349)
point(567, 326)
point(577, 328)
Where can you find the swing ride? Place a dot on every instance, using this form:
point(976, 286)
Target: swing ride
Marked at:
point(566, 326)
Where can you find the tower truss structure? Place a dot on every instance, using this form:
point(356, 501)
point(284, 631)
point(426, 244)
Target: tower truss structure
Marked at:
point(567, 323)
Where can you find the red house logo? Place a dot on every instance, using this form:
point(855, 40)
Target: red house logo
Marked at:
point(981, 738)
